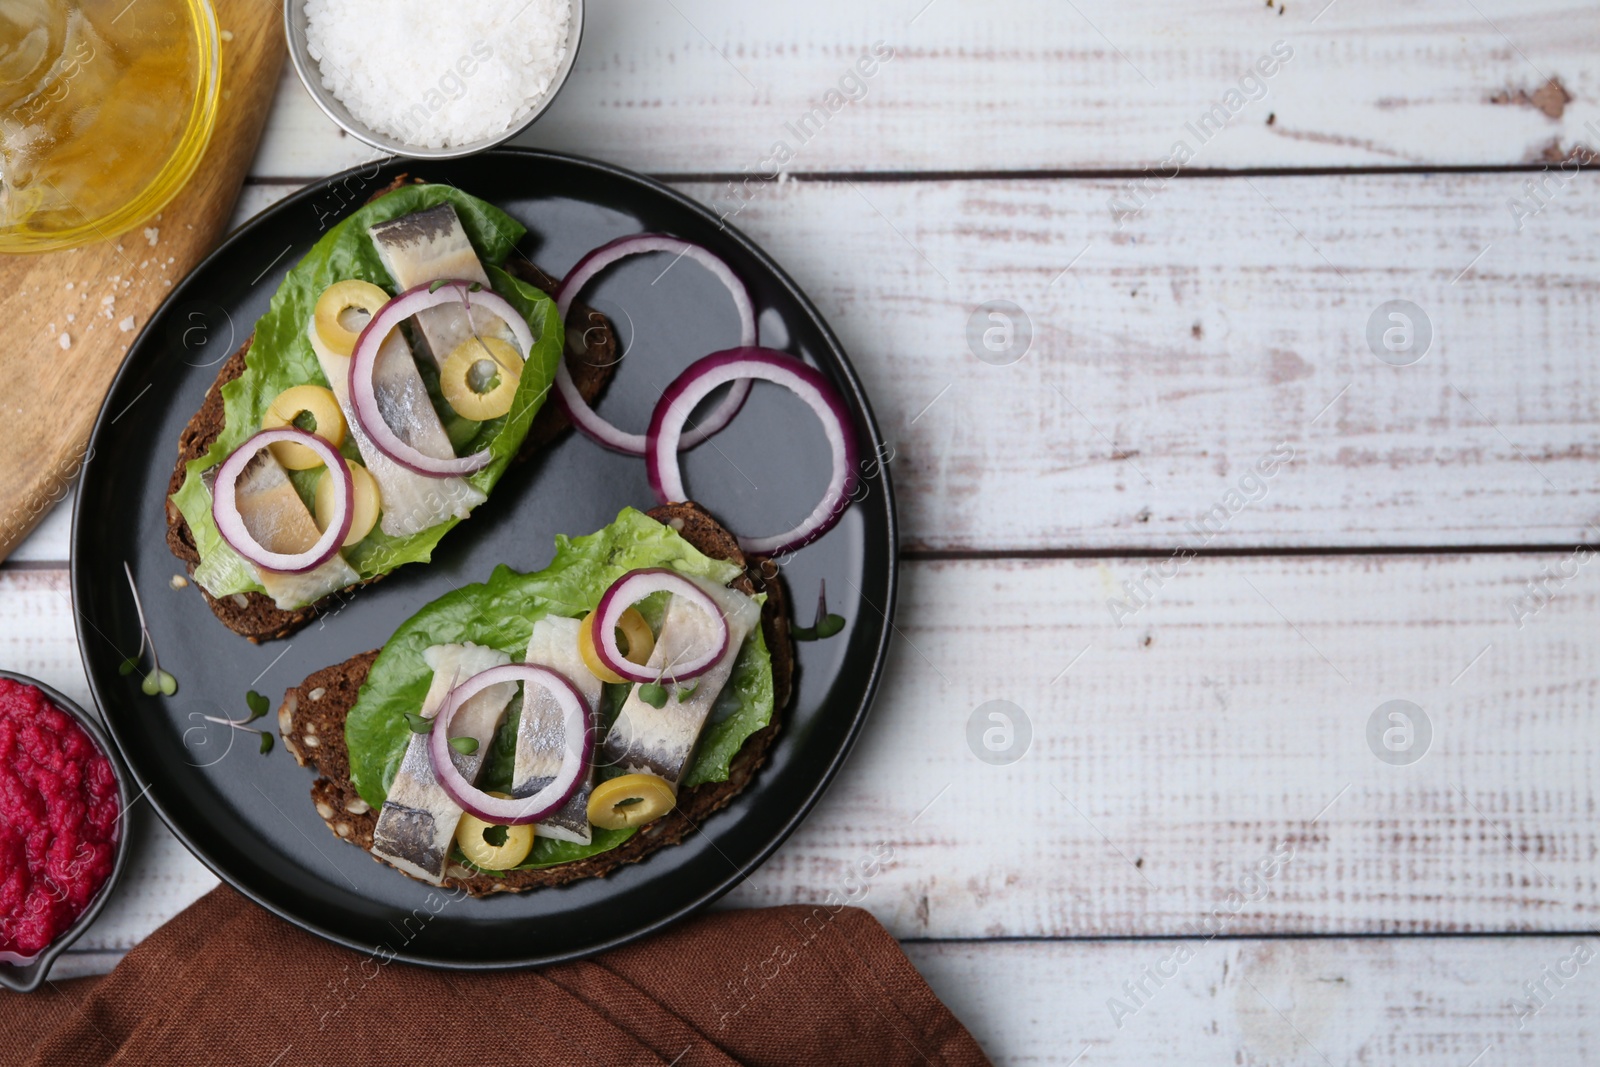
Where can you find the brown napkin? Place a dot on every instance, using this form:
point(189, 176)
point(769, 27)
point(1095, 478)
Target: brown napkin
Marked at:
point(226, 982)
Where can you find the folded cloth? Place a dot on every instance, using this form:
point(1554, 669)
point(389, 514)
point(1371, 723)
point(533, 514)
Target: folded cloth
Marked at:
point(227, 982)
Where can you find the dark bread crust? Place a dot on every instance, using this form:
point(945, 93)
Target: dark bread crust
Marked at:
point(590, 357)
point(313, 731)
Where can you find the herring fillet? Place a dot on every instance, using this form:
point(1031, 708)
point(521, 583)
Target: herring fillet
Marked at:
point(661, 740)
point(411, 502)
point(424, 247)
point(418, 821)
point(554, 644)
point(280, 522)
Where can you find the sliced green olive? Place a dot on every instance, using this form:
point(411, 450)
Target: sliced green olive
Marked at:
point(637, 640)
point(631, 800)
point(479, 378)
point(493, 847)
point(350, 297)
point(311, 408)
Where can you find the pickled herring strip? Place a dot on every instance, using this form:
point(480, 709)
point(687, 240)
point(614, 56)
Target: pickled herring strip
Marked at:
point(661, 740)
point(412, 502)
point(540, 737)
point(418, 821)
point(423, 247)
point(279, 521)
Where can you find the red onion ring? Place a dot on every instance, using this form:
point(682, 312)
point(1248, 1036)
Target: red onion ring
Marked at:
point(574, 761)
point(364, 360)
point(225, 504)
point(628, 591)
point(583, 416)
point(704, 375)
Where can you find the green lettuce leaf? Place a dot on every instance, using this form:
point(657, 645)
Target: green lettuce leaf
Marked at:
point(280, 357)
point(500, 613)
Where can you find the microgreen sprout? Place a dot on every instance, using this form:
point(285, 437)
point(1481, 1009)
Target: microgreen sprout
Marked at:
point(655, 693)
point(826, 624)
point(158, 680)
point(257, 706)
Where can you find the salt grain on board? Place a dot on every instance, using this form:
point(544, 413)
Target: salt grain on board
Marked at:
point(64, 341)
point(437, 75)
point(126, 324)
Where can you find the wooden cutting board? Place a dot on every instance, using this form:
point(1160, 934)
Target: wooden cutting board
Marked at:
point(51, 395)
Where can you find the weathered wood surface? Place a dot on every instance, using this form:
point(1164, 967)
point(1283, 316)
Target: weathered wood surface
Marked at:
point(1419, 1002)
point(1172, 755)
point(710, 87)
point(1225, 323)
point(1222, 723)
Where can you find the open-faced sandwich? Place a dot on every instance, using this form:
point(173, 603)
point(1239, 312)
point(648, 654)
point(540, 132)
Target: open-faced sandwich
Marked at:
point(400, 367)
point(541, 728)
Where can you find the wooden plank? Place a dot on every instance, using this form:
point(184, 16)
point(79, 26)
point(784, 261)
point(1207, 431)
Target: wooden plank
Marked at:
point(697, 87)
point(1224, 324)
point(1422, 1002)
point(76, 964)
point(1172, 757)
point(1226, 723)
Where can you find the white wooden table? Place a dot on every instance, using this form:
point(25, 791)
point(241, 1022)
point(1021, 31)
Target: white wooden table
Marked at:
point(1182, 328)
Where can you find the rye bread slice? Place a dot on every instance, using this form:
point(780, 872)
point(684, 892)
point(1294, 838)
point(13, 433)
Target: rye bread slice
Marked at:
point(311, 723)
point(590, 356)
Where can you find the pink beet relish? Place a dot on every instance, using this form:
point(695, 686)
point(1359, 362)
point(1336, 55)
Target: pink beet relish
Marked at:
point(59, 809)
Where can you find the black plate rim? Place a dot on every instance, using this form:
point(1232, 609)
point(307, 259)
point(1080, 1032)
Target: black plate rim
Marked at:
point(846, 371)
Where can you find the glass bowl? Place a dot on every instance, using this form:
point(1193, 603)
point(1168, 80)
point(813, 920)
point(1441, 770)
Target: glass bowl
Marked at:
point(105, 110)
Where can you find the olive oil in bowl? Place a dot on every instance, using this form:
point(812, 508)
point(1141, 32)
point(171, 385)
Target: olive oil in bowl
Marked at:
point(105, 109)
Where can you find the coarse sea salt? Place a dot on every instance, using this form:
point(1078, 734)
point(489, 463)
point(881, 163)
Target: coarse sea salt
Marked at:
point(438, 75)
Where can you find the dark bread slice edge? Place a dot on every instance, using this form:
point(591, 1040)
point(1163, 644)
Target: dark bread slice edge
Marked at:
point(311, 723)
point(254, 615)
